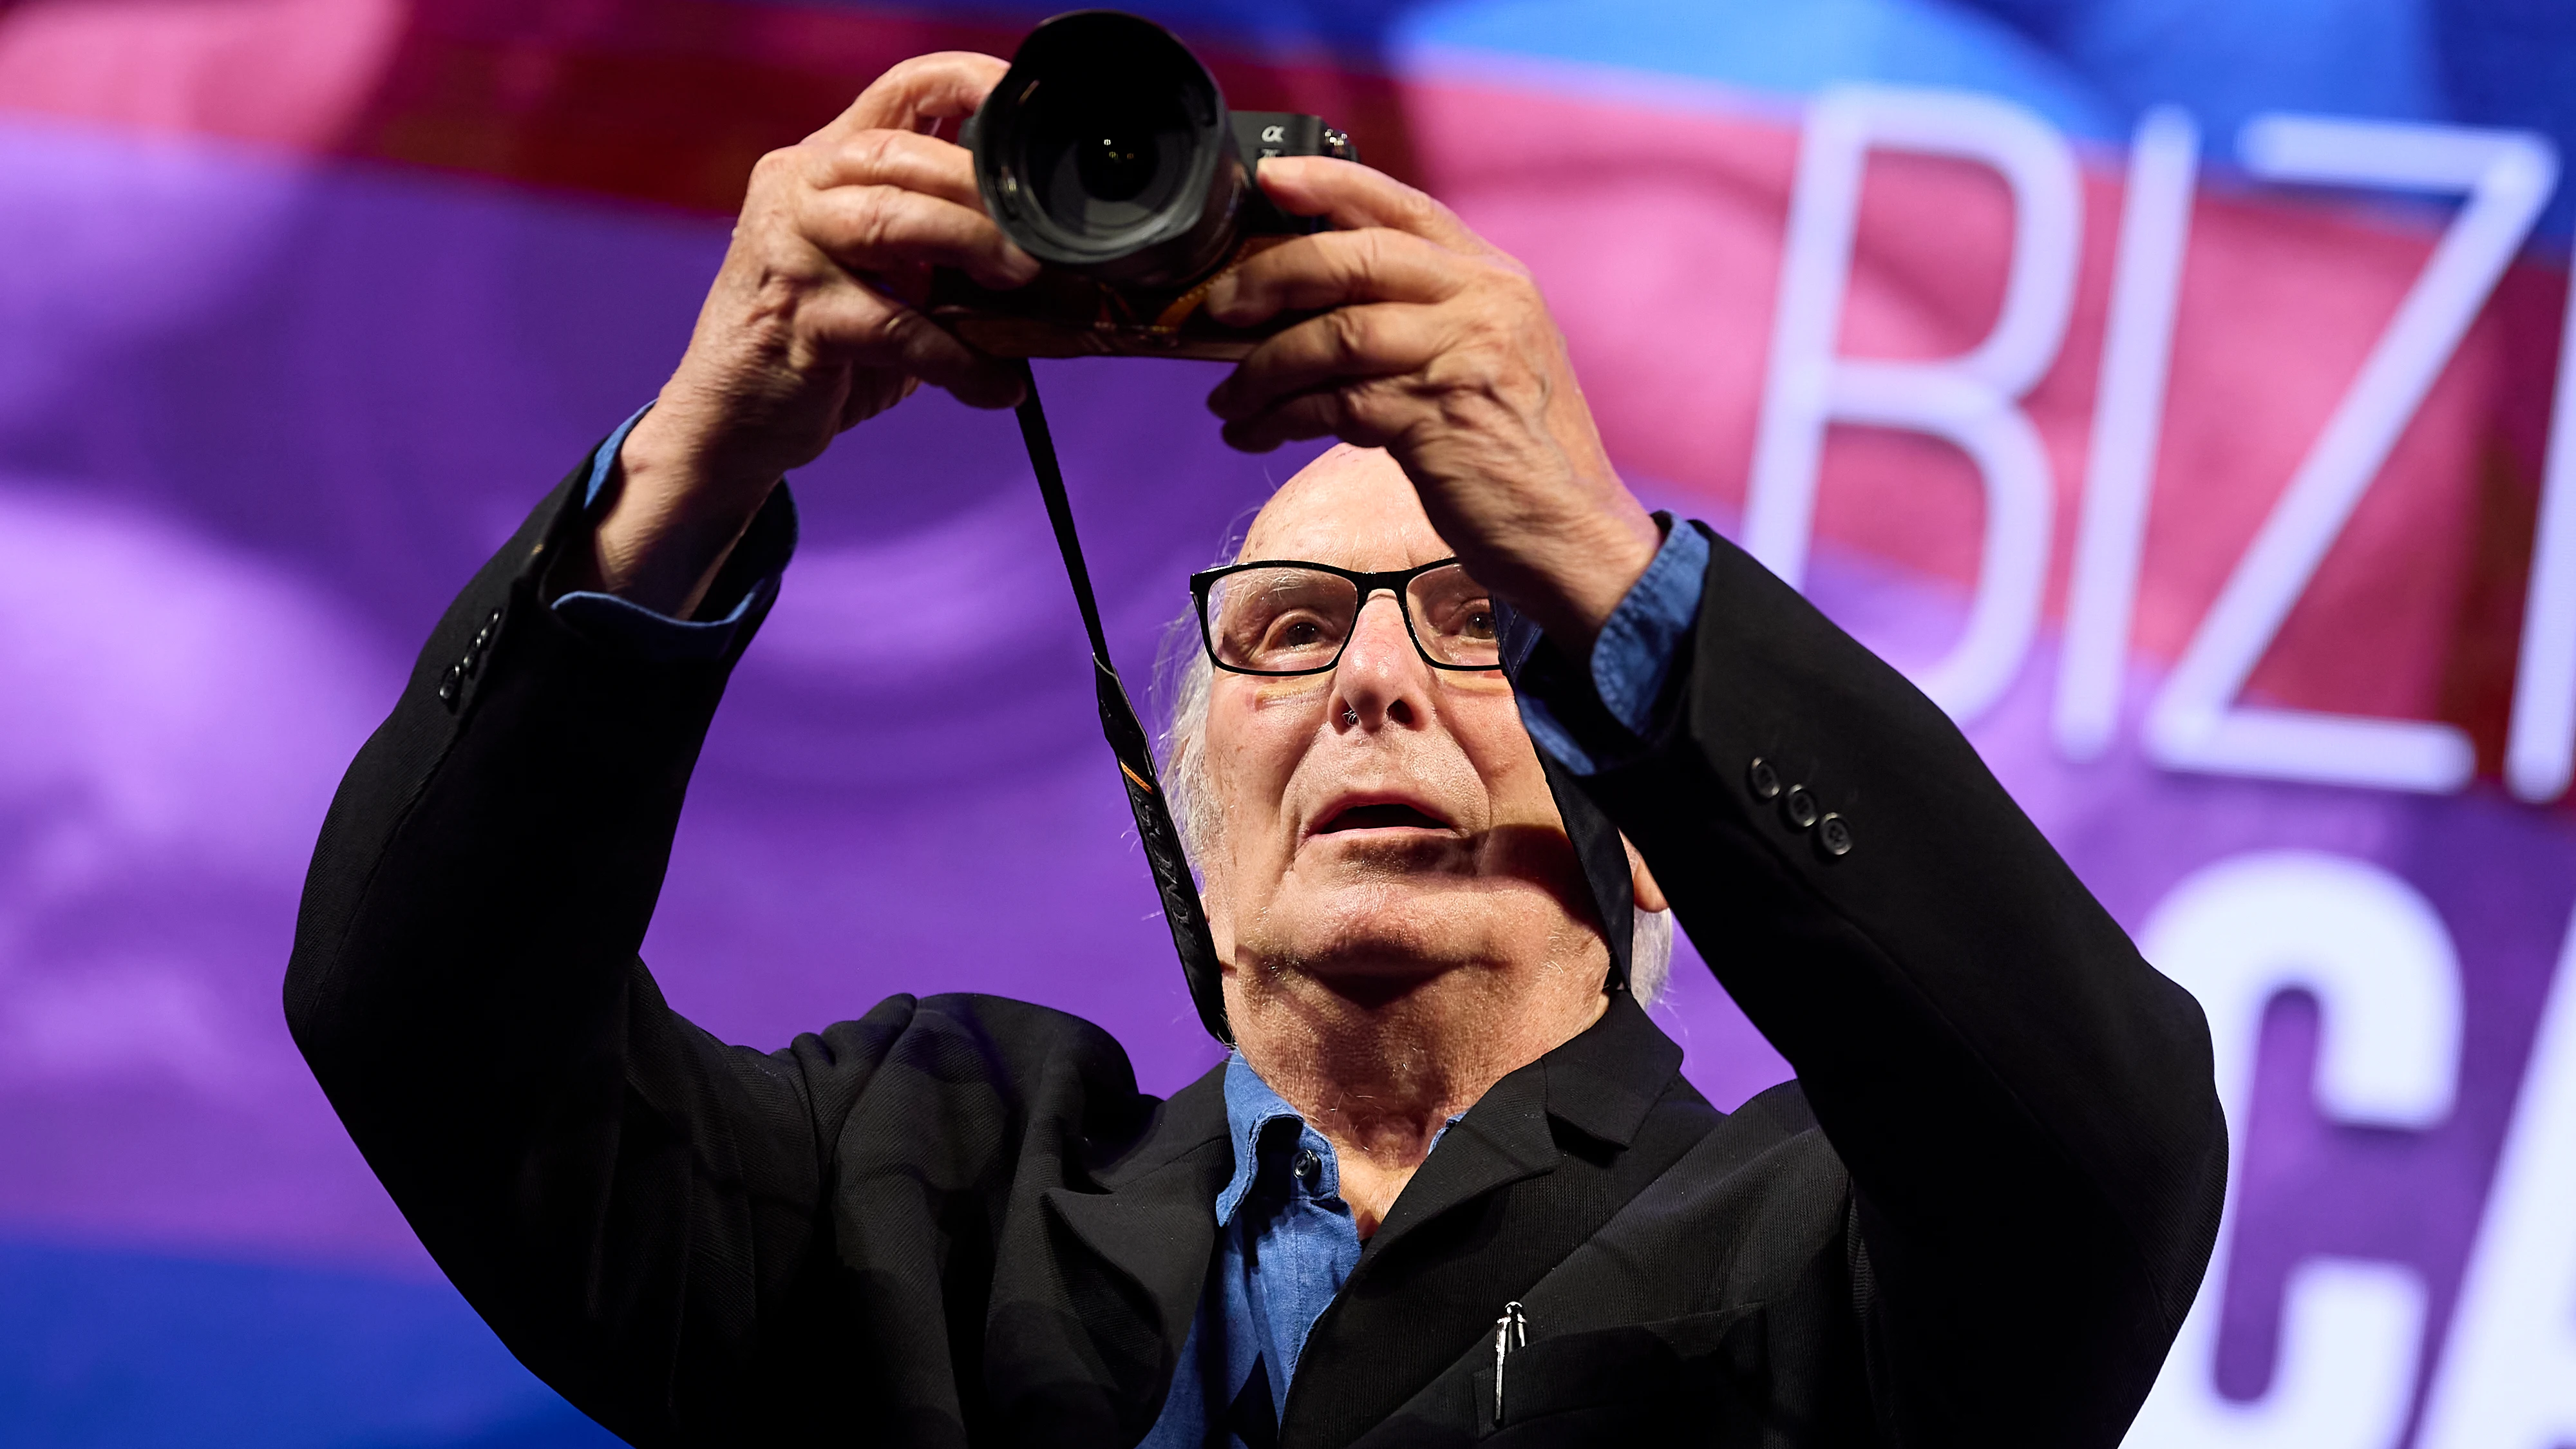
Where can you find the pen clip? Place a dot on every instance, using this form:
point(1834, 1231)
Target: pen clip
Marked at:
point(1511, 1331)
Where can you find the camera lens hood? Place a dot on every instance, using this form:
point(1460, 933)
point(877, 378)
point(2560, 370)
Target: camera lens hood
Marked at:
point(1107, 149)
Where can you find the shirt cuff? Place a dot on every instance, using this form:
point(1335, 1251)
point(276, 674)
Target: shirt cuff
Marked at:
point(747, 581)
point(603, 465)
point(1632, 662)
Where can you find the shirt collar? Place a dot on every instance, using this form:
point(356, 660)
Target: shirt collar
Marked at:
point(1250, 1108)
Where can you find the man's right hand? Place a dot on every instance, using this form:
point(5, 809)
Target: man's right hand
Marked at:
point(812, 325)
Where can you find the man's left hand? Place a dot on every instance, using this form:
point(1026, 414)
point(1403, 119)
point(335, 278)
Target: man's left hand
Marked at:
point(1437, 347)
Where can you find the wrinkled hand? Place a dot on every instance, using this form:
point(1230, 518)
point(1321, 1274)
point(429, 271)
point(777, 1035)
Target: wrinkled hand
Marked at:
point(1438, 348)
point(811, 327)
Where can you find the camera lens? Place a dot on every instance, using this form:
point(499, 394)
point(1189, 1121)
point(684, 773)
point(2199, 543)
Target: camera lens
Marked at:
point(1107, 149)
point(1102, 167)
point(1117, 166)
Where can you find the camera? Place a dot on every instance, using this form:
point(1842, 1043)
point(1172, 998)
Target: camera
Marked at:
point(1108, 154)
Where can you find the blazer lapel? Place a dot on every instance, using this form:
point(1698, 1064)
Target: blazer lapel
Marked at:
point(1549, 1154)
point(1091, 1352)
point(1503, 1139)
point(1156, 1230)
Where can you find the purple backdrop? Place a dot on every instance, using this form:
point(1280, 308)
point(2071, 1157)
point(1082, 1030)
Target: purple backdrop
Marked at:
point(267, 397)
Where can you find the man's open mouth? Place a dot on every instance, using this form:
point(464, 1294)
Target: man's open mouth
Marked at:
point(1385, 815)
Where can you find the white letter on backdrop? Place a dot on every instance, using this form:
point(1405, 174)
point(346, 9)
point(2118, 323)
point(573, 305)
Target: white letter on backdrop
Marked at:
point(2508, 1374)
point(2128, 417)
point(2541, 746)
point(2196, 723)
point(2378, 960)
point(1970, 400)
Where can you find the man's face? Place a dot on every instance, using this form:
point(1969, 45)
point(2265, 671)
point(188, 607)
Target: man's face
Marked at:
point(1385, 821)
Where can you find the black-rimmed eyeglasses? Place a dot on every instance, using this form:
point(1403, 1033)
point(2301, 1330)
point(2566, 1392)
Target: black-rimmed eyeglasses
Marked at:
point(1288, 617)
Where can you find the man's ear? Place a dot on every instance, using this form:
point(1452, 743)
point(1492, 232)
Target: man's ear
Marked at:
point(1641, 881)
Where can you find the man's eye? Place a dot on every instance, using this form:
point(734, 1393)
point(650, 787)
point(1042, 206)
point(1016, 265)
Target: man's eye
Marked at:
point(1466, 619)
point(1295, 632)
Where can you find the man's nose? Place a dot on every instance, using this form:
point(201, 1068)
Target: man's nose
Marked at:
point(1381, 679)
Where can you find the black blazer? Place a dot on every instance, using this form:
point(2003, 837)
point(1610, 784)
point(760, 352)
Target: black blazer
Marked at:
point(1977, 1218)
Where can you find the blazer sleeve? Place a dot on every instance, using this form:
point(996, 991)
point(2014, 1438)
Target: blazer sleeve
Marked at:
point(2025, 1106)
point(636, 1208)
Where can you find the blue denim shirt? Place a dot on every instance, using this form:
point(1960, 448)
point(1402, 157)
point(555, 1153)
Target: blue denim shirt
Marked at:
point(640, 630)
point(1286, 1242)
point(1633, 658)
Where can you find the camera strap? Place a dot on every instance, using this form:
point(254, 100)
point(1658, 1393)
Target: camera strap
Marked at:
point(1145, 800)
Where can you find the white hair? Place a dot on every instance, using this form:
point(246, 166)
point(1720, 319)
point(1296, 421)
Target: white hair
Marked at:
point(1183, 674)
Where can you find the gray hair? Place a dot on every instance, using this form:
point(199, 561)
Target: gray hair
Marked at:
point(1183, 674)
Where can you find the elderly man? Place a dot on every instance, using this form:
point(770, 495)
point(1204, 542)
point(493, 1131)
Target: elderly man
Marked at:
point(1452, 1184)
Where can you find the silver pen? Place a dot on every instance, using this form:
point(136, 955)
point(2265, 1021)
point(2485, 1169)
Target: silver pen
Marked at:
point(1511, 1331)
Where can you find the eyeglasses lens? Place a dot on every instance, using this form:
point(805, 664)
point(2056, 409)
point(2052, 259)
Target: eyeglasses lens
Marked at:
point(1453, 617)
point(1280, 620)
point(1288, 620)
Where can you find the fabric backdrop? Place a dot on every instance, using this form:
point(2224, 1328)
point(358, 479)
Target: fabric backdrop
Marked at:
point(2171, 385)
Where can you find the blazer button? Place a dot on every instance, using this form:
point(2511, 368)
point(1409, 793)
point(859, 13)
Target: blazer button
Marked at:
point(449, 685)
point(472, 663)
point(1833, 835)
point(1762, 780)
point(1799, 808)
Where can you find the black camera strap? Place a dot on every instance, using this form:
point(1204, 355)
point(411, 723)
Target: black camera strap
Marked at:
point(1181, 908)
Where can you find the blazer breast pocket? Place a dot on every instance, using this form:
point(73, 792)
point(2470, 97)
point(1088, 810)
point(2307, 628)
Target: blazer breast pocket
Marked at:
point(1698, 1379)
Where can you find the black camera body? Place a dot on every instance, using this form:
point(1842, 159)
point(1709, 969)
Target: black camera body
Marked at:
point(1109, 155)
